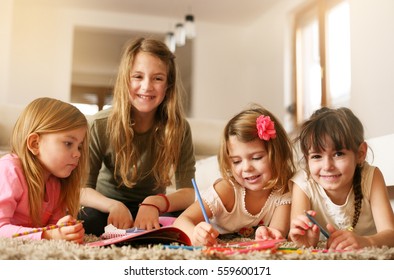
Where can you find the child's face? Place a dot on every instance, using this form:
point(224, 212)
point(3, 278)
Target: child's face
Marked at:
point(332, 169)
point(148, 80)
point(250, 164)
point(59, 152)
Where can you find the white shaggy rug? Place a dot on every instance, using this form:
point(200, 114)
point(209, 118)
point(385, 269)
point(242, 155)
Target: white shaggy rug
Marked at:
point(19, 249)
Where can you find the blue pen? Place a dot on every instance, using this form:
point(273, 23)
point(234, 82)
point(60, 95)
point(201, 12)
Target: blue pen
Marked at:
point(200, 201)
point(322, 230)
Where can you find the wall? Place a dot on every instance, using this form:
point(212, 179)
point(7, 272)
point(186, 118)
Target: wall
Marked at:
point(267, 61)
point(41, 54)
point(218, 72)
point(372, 45)
point(233, 65)
point(5, 46)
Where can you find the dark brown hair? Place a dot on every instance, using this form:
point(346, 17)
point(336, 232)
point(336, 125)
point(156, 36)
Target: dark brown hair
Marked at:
point(346, 132)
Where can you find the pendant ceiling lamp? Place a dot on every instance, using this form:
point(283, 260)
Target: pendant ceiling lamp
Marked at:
point(183, 31)
point(170, 41)
point(190, 28)
point(180, 35)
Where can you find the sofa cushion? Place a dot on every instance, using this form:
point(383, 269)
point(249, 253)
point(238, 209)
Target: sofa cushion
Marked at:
point(207, 171)
point(8, 116)
point(381, 154)
point(206, 135)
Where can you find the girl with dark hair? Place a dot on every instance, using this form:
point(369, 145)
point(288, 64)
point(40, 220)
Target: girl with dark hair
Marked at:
point(339, 189)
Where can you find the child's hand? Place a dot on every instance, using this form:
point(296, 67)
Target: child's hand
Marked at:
point(147, 218)
point(266, 233)
point(73, 233)
point(345, 239)
point(303, 232)
point(120, 216)
point(204, 234)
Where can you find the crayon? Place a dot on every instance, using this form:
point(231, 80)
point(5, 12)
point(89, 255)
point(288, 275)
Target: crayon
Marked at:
point(49, 227)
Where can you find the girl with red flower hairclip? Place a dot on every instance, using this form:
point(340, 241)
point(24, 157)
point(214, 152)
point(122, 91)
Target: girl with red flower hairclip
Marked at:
point(256, 163)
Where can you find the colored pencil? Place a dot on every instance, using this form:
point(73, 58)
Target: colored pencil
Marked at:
point(185, 247)
point(49, 227)
point(322, 230)
point(200, 201)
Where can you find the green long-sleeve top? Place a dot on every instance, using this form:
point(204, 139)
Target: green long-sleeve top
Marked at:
point(102, 160)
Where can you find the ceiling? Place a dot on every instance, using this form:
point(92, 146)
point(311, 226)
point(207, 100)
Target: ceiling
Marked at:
point(218, 11)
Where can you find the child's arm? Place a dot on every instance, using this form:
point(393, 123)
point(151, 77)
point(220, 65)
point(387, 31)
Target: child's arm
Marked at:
point(119, 214)
point(382, 215)
point(302, 231)
point(191, 221)
point(147, 217)
point(9, 230)
point(279, 225)
point(13, 199)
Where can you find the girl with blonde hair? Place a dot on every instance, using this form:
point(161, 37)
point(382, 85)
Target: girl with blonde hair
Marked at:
point(256, 162)
point(139, 144)
point(40, 180)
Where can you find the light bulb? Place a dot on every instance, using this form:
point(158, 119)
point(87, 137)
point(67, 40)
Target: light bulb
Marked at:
point(190, 27)
point(180, 35)
point(170, 41)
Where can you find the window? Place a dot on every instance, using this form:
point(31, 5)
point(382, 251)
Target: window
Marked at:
point(322, 57)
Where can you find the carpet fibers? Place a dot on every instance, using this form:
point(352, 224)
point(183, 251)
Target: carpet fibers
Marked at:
point(19, 249)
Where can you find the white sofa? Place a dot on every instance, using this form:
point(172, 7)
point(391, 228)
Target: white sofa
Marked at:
point(381, 154)
point(206, 137)
point(206, 133)
point(8, 116)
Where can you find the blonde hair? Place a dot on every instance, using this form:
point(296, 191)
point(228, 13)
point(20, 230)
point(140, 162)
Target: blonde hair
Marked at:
point(41, 116)
point(280, 151)
point(169, 120)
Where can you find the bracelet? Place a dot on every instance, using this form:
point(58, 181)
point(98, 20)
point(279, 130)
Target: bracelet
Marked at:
point(167, 202)
point(148, 204)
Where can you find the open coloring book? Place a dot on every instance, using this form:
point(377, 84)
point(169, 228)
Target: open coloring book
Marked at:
point(167, 234)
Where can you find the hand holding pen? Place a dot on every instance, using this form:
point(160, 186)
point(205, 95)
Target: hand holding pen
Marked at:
point(66, 228)
point(46, 228)
point(313, 220)
point(203, 234)
point(302, 231)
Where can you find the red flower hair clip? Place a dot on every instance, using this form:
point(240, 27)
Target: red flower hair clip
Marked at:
point(265, 128)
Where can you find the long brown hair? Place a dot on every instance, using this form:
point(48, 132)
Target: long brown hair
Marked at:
point(346, 132)
point(169, 119)
point(41, 116)
point(280, 151)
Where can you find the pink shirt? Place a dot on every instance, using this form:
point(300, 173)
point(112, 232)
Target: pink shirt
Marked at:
point(14, 200)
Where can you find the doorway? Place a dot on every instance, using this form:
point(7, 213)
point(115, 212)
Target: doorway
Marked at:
point(95, 60)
